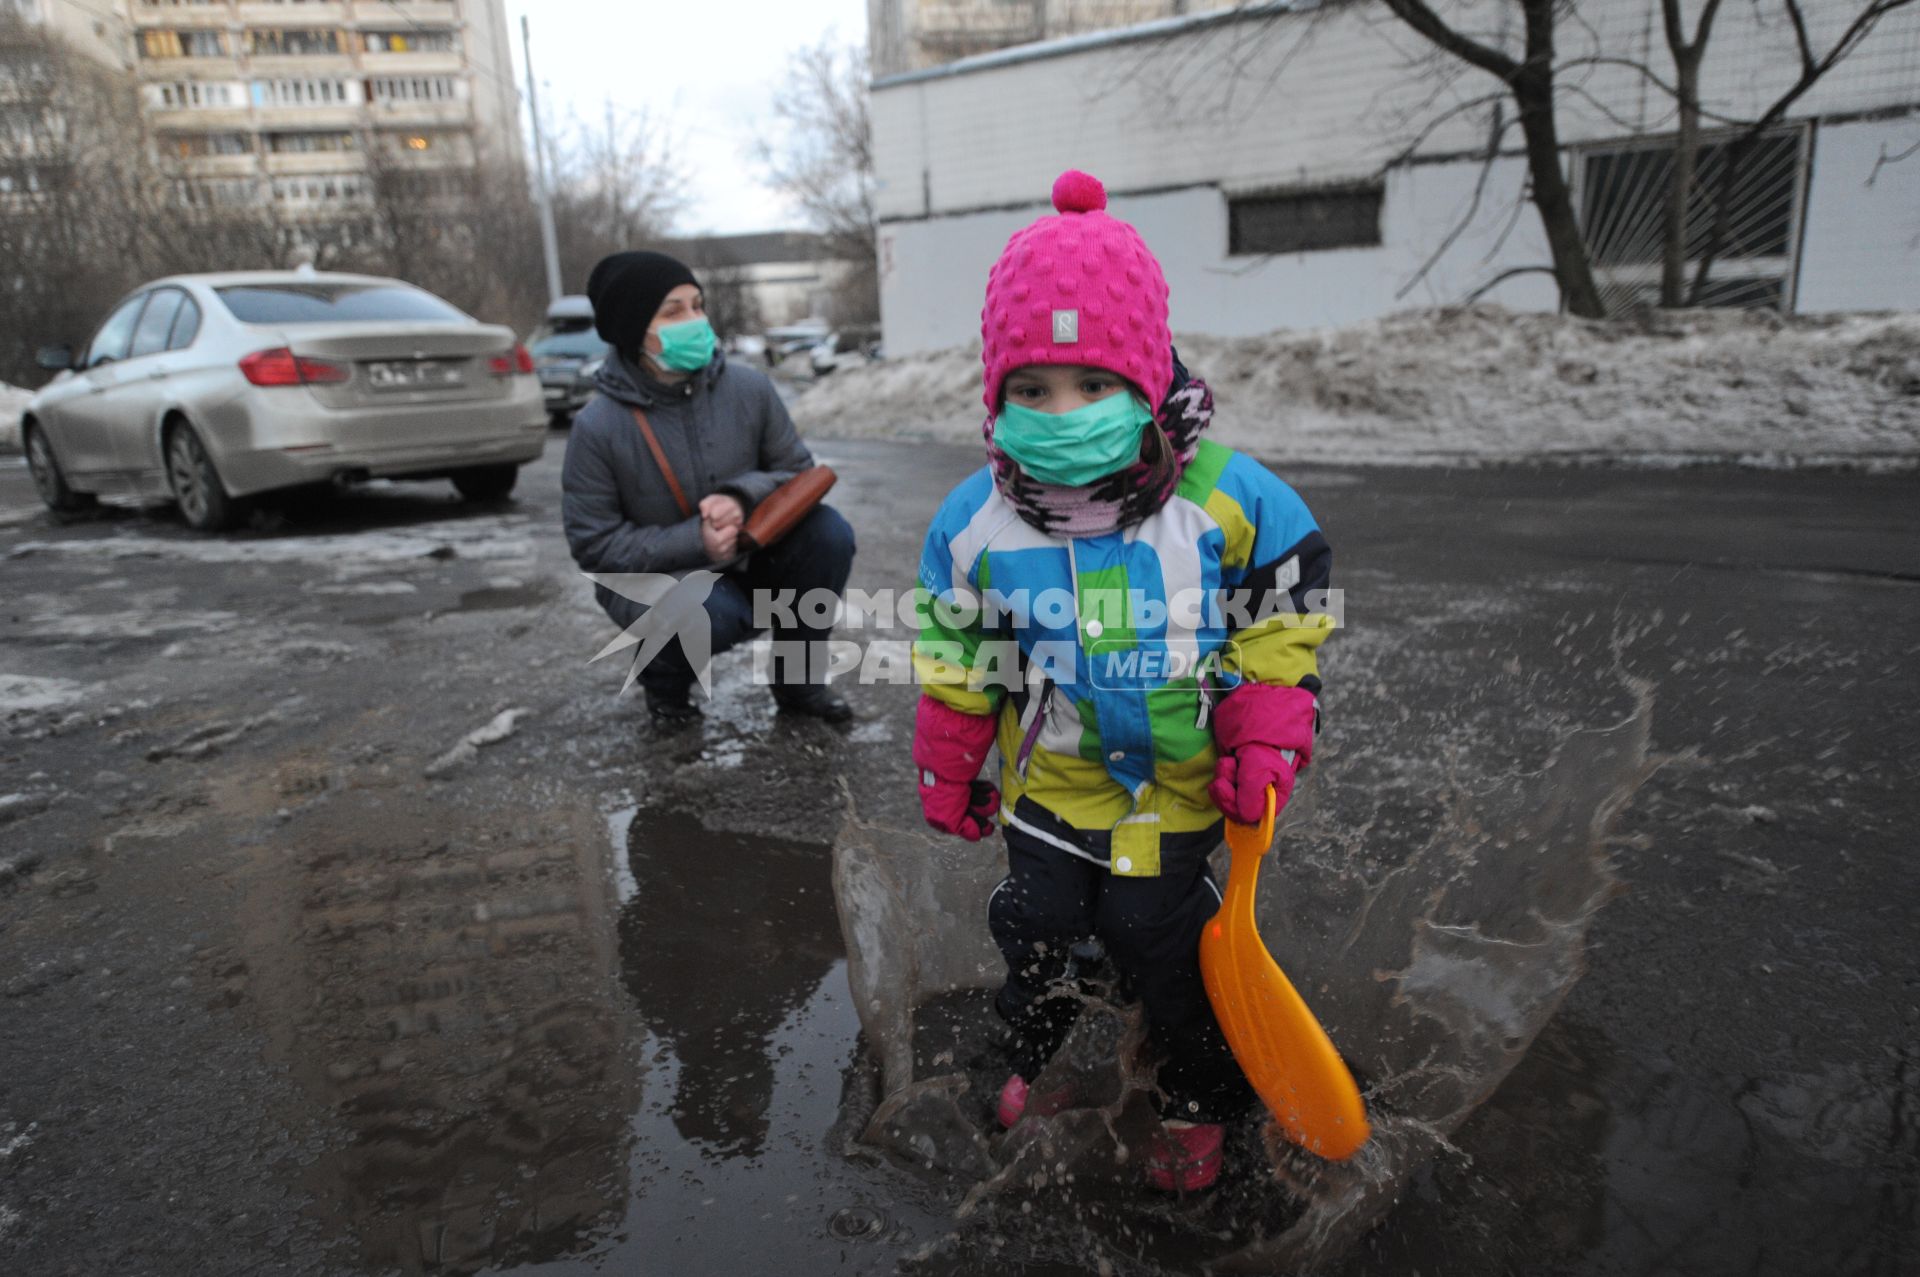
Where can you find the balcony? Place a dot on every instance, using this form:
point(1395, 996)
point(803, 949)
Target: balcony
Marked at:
point(301, 66)
point(194, 17)
point(314, 13)
point(340, 117)
point(205, 119)
point(411, 63)
point(211, 165)
point(426, 13)
point(283, 163)
point(393, 115)
point(185, 68)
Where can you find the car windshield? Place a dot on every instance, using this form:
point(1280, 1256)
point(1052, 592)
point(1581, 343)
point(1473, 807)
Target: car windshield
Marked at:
point(584, 344)
point(334, 304)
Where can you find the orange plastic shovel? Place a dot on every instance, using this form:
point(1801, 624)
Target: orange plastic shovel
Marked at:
point(1280, 1046)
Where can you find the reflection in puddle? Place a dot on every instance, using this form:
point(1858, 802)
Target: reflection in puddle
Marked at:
point(725, 939)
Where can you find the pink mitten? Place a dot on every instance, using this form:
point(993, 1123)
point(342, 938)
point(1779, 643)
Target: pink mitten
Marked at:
point(949, 746)
point(1255, 728)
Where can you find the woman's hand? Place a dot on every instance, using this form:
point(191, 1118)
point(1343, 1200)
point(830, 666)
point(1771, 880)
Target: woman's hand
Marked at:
point(721, 510)
point(721, 518)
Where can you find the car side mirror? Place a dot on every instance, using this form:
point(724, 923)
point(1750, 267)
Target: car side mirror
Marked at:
point(55, 358)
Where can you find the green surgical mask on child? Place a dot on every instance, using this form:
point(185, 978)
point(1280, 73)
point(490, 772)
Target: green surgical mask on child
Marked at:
point(1073, 449)
point(687, 347)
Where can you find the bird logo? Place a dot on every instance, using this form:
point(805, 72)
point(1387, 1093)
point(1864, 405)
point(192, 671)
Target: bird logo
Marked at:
point(676, 608)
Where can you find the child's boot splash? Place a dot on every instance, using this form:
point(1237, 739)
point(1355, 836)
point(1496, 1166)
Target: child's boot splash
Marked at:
point(1184, 1157)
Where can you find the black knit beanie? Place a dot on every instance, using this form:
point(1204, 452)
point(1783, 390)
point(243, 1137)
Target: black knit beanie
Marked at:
point(626, 290)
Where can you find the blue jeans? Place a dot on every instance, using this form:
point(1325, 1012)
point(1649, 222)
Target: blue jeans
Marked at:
point(817, 554)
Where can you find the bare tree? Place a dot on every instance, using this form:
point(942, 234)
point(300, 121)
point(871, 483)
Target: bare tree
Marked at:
point(824, 163)
point(1814, 65)
point(430, 225)
point(73, 190)
point(616, 186)
point(1687, 54)
point(1529, 77)
point(731, 305)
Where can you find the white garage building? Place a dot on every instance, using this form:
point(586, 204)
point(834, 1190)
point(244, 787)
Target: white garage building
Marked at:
point(1309, 164)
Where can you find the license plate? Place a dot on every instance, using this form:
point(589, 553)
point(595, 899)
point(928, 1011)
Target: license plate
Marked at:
point(414, 374)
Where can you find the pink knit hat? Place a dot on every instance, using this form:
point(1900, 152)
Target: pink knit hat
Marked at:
point(1078, 288)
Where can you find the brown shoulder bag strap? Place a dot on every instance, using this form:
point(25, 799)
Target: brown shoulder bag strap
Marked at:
point(660, 459)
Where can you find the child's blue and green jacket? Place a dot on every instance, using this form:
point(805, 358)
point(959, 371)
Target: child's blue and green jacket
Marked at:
point(1103, 655)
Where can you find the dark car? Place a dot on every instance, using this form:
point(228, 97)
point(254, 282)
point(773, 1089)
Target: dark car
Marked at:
point(567, 352)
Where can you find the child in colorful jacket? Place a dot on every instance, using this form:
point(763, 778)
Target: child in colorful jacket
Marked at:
point(1130, 612)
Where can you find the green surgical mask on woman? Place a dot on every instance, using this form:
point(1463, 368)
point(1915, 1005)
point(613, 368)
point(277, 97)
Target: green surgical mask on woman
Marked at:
point(687, 347)
point(1074, 448)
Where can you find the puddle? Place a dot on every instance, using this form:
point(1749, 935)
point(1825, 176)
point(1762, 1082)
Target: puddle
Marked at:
point(1433, 967)
point(535, 1062)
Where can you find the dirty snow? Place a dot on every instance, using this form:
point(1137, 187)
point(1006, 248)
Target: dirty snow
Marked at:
point(498, 729)
point(23, 694)
point(13, 402)
point(494, 538)
point(1485, 384)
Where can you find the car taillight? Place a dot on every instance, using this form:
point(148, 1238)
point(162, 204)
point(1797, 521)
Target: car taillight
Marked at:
point(514, 361)
point(281, 367)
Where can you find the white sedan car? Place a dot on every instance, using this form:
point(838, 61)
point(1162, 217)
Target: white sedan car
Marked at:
point(208, 389)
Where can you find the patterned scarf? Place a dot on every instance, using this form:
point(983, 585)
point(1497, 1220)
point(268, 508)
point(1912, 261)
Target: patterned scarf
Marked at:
point(1125, 497)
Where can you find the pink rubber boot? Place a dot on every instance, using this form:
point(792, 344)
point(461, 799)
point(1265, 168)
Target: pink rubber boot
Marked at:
point(1184, 1157)
point(1017, 1100)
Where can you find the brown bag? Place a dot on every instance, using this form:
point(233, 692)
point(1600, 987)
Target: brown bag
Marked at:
point(785, 506)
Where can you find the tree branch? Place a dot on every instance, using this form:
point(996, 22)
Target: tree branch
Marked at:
point(1494, 134)
point(1885, 160)
point(1416, 14)
point(1502, 278)
point(1652, 77)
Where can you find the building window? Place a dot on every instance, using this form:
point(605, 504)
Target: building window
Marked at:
point(293, 43)
point(309, 143)
point(1304, 221)
point(300, 93)
point(1623, 199)
point(189, 146)
point(410, 42)
point(19, 179)
point(418, 88)
point(228, 193)
point(320, 190)
point(422, 143)
point(193, 94)
point(183, 44)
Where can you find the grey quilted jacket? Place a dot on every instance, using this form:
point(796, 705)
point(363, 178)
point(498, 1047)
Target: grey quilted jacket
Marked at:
point(723, 430)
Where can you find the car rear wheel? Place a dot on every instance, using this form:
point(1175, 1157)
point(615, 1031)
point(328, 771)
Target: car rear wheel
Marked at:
point(47, 479)
point(197, 490)
point(486, 483)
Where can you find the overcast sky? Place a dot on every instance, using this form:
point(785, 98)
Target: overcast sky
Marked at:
point(706, 69)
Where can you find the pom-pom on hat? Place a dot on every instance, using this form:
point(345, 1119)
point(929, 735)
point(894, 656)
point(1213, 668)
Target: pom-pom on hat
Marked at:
point(1079, 287)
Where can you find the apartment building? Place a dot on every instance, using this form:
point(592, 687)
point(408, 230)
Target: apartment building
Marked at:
point(300, 103)
point(912, 35)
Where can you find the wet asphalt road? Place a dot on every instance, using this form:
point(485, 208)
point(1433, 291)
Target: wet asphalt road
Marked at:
point(292, 981)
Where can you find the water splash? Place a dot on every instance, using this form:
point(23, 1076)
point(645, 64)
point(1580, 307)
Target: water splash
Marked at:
point(1433, 969)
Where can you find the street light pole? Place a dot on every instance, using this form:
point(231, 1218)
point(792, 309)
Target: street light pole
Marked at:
point(549, 242)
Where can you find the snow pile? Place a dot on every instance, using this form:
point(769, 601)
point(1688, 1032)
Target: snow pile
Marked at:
point(13, 402)
point(1485, 384)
